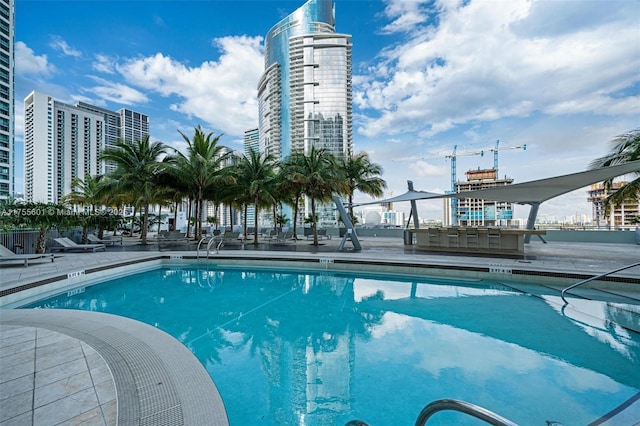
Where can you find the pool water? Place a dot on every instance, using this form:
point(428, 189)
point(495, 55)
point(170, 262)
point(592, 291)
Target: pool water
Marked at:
point(304, 348)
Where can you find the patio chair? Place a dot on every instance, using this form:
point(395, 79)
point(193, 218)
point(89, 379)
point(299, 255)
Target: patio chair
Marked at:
point(69, 245)
point(7, 255)
point(231, 237)
point(283, 238)
point(106, 241)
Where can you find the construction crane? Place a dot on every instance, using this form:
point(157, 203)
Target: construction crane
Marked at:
point(453, 156)
point(496, 149)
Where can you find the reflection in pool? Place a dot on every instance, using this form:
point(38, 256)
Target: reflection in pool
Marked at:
point(290, 348)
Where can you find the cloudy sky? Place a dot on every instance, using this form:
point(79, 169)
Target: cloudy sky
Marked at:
point(559, 76)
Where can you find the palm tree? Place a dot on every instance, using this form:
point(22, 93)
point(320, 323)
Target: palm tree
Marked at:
point(201, 169)
point(625, 148)
point(360, 174)
point(320, 180)
point(256, 172)
point(91, 192)
point(138, 165)
point(290, 181)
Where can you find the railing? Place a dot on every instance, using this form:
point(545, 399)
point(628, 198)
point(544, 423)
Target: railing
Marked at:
point(595, 278)
point(463, 407)
point(455, 405)
point(212, 240)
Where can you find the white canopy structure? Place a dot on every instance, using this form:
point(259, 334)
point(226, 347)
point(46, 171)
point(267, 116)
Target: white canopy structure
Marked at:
point(533, 193)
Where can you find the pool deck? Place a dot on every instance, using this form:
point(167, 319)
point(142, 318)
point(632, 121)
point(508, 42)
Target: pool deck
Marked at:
point(73, 367)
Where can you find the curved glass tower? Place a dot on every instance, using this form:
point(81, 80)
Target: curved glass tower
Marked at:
point(305, 92)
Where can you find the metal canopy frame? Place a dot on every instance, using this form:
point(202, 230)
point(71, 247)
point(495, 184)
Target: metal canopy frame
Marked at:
point(532, 193)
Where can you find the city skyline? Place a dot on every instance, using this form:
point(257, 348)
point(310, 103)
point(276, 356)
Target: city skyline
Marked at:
point(560, 77)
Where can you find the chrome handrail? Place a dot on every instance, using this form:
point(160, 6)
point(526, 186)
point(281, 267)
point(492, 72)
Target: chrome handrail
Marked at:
point(595, 278)
point(463, 407)
point(214, 239)
point(456, 405)
point(198, 248)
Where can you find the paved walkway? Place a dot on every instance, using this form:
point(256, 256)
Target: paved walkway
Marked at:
point(53, 369)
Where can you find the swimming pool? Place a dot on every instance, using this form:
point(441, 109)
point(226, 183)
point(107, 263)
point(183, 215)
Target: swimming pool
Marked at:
point(292, 348)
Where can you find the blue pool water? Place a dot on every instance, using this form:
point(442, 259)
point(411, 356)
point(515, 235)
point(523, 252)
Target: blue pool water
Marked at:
point(293, 348)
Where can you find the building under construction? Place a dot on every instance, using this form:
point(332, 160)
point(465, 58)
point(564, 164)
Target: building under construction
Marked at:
point(612, 216)
point(476, 212)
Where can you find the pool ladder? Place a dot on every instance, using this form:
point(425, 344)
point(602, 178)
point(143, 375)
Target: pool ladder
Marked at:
point(594, 278)
point(212, 240)
point(455, 405)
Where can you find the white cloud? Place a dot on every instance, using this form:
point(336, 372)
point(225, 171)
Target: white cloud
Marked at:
point(484, 61)
point(27, 62)
point(222, 93)
point(422, 169)
point(118, 93)
point(58, 43)
point(104, 64)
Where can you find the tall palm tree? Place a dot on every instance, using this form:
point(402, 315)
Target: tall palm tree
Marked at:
point(201, 168)
point(92, 192)
point(290, 181)
point(256, 172)
point(624, 149)
point(137, 167)
point(320, 180)
point(360, 174)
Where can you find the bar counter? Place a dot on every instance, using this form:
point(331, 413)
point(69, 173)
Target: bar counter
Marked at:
point(473, 239)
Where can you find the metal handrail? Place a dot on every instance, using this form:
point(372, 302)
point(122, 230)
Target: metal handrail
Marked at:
point(595, 278)
point(463, 407)
point(198, 248)
point(456, 405)
point(214, 239)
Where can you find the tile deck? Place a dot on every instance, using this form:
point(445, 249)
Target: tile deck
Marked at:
point(56, 368)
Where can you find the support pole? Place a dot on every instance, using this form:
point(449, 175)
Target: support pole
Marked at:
point(531, 222)
point(414, 208)
point(351, 232)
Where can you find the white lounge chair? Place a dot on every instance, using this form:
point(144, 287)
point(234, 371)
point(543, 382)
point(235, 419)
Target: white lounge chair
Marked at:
point(109, 241)
point(69, 245)
point(7, 255)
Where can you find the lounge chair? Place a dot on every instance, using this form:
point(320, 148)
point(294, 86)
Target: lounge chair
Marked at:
point(106, 241)
point(283, 238)
point(231, 237)
point(322, 235)
point(171, 238)
point(7, 255)
point(69, 245)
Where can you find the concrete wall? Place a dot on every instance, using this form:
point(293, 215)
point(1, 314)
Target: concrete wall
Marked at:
point(570, 236)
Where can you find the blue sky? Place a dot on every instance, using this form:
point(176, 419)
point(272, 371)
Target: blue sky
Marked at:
point(561, 76)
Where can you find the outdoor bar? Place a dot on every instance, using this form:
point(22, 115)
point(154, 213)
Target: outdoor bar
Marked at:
point(473, 239)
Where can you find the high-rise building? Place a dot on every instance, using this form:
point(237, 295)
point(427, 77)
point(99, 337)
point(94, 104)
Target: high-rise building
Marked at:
point(305, 93)
point(251, 141)
point(64, 141)
point(7, 115)
point(477, 212)
point(612, 216)
point(123, 124)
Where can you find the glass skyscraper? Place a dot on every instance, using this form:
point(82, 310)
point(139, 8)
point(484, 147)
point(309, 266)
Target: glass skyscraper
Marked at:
point(305, 91)
point(7, 115)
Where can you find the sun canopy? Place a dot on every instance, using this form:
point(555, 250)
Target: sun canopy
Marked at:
point(534, 192)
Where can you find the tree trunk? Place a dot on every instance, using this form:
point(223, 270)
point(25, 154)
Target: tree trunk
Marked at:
point(175, 217)
point(145, 224)
point(133, 219)
point(255, 222)
point(244, 221)
point(41, 246)
point(188, 218)
point(313, 221)
point(295, 218)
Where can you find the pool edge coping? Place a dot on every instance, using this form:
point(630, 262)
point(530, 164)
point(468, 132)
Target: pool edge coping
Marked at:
point(143, 360)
